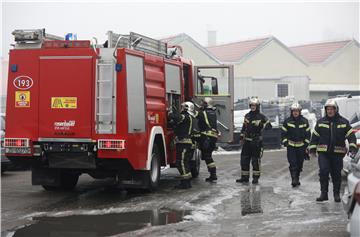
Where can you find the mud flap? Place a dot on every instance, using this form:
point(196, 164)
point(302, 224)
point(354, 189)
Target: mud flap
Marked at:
point(49, 177)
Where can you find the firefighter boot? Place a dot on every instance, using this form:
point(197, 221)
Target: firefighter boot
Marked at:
point(297, 180)
point(255, 180)
point(324, 185)
point(337, 197)
point(244, 179)
point(212, 177)
point(323, 197)
point(293, 179)
point(337, 186)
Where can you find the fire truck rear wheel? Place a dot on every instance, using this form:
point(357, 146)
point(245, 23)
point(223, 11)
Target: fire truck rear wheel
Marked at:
point(153, 175)
point(68, 182)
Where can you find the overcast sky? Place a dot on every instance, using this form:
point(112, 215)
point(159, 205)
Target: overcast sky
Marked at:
point(292, 23)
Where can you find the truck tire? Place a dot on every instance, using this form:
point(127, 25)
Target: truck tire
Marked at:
point(195, 164)
point(68, 182)
point(153, 175)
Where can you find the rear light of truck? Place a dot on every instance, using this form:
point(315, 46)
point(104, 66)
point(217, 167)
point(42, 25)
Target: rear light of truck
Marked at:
point(17, 146)
point(357, 193)
point(16, 142)
point(111, 144)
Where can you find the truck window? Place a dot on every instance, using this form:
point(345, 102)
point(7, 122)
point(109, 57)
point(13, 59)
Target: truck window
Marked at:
point(213, 81)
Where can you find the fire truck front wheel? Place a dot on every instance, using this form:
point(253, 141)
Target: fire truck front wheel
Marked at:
point(153, 175)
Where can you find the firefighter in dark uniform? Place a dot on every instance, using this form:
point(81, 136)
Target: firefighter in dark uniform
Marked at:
point(207, 123)
point(328, 140)
point(296, 137)
point(183, 128)
point(251, 138)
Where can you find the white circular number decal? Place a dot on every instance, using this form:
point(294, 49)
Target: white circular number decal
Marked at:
point(23, 82)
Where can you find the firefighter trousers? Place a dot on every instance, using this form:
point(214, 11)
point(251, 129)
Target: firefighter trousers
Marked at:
point(330, 163)
point(251, 152)
point(296, 156)
point(207, 146)
point(184, 153)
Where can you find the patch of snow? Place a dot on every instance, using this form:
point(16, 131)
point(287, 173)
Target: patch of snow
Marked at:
point(207, 212)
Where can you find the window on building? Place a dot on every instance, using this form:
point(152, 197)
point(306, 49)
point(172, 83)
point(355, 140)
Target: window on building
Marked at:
point(282, 90)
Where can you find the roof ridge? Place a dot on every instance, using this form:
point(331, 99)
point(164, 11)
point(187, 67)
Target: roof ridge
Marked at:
point(241, 41)
point(171, 36)
point(322, 42)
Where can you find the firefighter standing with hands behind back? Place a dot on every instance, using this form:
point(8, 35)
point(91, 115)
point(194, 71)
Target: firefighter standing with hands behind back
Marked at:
point(296, 137)
point(207, 122)
point(251, 138)
point(183, 128)
point(328, 139)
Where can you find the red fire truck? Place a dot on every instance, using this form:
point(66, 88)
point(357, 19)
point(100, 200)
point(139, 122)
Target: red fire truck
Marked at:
point(75, 106)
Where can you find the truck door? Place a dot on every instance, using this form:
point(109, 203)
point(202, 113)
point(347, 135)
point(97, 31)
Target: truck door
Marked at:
point(217, 82)
point(65, 96)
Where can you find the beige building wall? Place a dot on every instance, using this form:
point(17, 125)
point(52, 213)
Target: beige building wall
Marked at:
point(343, 69)
point(272, 61)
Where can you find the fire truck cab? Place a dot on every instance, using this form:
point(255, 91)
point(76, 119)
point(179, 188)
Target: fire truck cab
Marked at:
point(76, 106)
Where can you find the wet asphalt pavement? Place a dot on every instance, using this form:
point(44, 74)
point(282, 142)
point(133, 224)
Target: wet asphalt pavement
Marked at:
point(96, 208)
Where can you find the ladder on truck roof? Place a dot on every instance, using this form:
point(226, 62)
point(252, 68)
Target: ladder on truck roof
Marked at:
point(138, 42)
point(105, 109)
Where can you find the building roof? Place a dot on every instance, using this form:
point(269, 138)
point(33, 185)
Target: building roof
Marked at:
point(319, 52)
point(177, 39)
point(233, 52)
point(240, 51)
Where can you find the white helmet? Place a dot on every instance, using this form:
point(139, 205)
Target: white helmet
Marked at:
point(296, 106)
point(331, 103)
point(189, 107)
point(208, 102)
point(254, 101)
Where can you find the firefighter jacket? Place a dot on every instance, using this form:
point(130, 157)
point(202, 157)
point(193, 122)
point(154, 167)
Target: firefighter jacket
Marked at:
point(296, 132)
point(183, 126)
point(254, 123)
point(207, 122)
point(330, 134)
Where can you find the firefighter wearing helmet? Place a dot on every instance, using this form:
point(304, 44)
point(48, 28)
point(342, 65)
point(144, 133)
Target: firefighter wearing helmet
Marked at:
point(251, 138)
point(183, 128)
point(296, 137)
point(207, 123)
point(328, 140)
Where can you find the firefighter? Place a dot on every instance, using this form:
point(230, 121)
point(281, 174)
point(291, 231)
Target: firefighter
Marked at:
point(251, 139)
point(207, 123)
point(328, 140)
point(183, 126)
point(296, 137)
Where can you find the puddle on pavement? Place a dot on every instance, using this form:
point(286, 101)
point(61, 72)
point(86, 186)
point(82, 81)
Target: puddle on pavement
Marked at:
point(99, 225)
point(251, 201)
